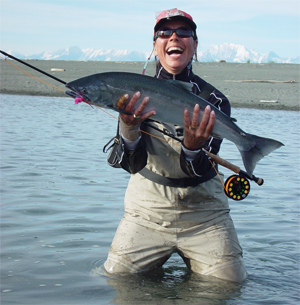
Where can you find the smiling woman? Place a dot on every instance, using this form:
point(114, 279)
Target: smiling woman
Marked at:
point(174, 202)
point(175, 53)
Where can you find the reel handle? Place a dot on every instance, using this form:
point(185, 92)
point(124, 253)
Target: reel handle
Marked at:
point(260, 181)
point(257, 180)
point(233, 167)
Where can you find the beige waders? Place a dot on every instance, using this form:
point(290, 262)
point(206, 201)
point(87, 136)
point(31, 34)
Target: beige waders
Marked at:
point(161, 220)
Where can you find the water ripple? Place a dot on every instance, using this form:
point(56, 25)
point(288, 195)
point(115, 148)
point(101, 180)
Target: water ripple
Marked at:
point(61, 205)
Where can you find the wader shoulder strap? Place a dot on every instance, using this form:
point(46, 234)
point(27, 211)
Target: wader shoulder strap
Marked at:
point(206, 91)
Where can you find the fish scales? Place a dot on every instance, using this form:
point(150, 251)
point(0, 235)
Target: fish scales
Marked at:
point(169, 98)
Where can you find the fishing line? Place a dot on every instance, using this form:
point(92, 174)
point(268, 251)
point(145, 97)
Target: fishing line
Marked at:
point(169, 135)
point(236, 187)
point(33, 67)
point(217, 173)
point(43, 72)
point(31, 75)
point(143, 131)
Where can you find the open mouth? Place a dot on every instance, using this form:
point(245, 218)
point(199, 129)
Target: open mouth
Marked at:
point(174, 51)
point(75, 93)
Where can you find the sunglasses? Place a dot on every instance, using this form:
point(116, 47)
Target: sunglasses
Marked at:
point(182, 33)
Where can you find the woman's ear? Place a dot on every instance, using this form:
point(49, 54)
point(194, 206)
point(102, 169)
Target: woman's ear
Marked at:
point(154, 48)
point(195, 46)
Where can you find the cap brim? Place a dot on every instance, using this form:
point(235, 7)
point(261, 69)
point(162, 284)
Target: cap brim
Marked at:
point(191, 23)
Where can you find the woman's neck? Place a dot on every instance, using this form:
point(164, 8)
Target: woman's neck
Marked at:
point(161, 72)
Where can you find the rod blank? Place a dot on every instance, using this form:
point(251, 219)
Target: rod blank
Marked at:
point(35, 68)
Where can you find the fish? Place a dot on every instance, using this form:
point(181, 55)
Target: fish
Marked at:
point(169, 98)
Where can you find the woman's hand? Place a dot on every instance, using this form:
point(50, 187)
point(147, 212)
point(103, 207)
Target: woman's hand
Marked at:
point(137, 115)
point(196, 134)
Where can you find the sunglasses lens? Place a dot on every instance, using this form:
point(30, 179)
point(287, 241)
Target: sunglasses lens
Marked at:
point(165, 33)
point(183, 33)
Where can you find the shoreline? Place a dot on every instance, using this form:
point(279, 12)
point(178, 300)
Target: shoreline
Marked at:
point(260, 86)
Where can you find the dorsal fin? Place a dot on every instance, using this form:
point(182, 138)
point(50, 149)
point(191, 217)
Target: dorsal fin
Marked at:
point(183, 85)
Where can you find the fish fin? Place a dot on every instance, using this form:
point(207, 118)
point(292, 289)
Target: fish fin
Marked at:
point(233, 120)
point(261, 148)
point(183, 85)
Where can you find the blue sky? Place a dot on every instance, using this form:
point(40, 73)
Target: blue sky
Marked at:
point(33, 26)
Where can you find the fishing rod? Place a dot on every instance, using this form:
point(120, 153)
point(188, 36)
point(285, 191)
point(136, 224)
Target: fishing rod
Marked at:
point(233, 167)
point(33, 67)
point(236, 187)
point(70, 93)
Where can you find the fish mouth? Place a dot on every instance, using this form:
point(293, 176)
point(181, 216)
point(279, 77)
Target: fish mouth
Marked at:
point(76, 93)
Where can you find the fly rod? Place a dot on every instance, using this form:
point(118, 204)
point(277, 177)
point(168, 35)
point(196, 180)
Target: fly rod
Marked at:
point(236, 187)
point(233, 167)
point(32, 67)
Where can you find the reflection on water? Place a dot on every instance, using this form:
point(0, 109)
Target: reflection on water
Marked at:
point(61, 204)
point(172, 284)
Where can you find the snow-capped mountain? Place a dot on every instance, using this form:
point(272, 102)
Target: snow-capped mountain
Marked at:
point(228, 52)
point(75, 53)
point(238, 53)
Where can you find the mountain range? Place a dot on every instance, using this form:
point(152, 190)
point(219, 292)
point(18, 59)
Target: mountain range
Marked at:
point(226, 52)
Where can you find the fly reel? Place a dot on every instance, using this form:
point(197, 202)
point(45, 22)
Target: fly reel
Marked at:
point(237, 187)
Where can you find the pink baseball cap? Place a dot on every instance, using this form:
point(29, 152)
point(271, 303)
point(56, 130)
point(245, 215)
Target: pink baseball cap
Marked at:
point(164, 16)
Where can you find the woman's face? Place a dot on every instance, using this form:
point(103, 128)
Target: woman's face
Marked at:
point(175, 52)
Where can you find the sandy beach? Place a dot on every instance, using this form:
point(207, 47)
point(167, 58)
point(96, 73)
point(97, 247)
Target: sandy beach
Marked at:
point(265, 86)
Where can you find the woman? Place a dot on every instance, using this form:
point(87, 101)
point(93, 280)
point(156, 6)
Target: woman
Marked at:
point(175, 202)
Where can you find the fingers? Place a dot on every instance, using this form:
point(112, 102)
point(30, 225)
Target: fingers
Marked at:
point(187, 122)
point(195, 117)
point(211, 123)
point(207, 122)
point(138, 114)
point(122, 100)
point(132, 101)
point(197, 133)
point(194, 123)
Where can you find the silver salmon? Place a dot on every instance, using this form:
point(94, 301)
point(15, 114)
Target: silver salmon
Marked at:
point(169, 98)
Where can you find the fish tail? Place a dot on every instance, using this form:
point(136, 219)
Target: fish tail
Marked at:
point(260, 148)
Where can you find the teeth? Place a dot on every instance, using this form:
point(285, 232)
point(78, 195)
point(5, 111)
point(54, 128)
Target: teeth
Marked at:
point(172, 49)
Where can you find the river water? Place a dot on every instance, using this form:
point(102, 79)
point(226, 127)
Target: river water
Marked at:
point(61, 204)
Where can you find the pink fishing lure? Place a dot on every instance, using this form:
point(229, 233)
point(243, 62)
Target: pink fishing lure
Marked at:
point(78, 100)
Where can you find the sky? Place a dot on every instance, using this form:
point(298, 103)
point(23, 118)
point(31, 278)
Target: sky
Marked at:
point(34, 26)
